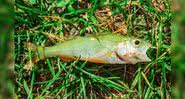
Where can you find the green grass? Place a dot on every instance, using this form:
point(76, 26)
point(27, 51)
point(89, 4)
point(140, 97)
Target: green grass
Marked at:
point(178, 49)
point(42, 23)
point(6, 50)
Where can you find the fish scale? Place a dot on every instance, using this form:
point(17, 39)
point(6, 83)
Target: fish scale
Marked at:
point(106, 48)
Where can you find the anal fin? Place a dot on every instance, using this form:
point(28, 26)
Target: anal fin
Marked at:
point(66, 59)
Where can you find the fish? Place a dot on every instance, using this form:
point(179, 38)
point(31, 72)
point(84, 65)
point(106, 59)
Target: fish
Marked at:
point(105, 48)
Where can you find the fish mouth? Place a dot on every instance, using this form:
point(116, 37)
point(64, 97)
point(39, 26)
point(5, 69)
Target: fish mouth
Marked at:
point(146, 58)
point(146, 53)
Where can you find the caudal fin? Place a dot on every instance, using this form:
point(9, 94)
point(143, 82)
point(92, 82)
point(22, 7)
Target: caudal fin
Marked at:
point(38, 54)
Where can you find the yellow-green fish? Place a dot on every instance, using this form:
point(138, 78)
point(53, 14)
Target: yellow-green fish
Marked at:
point(105, 48)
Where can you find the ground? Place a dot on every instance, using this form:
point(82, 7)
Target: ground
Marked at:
point(49, 22)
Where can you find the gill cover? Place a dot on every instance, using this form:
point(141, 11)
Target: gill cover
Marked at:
point(134, 50)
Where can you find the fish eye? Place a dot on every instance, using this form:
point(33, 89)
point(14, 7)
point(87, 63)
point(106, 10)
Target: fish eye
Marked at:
point(137, 42)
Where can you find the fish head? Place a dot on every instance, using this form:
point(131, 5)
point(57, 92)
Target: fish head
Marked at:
point(134, 50)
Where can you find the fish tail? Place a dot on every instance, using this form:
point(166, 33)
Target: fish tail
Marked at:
point(38, 52)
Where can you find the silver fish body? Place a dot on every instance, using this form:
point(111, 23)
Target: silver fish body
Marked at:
point(108, 49)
